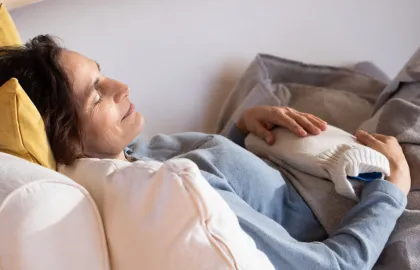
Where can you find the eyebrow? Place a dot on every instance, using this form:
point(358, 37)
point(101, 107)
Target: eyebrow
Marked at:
point(99, 66)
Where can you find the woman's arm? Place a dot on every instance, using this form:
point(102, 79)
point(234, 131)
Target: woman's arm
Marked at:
point(356, 244)
point(361, 235)
point(364, 231)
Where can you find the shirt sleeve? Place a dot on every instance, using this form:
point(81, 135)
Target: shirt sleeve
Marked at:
point(356, 244)
point(361, 235)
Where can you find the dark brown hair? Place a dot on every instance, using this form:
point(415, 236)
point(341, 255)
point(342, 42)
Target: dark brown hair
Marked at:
point(35, 65)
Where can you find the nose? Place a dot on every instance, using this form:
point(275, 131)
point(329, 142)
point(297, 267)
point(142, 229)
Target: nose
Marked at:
point(121, 91)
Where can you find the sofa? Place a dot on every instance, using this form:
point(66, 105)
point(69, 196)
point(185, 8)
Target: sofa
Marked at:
point(47, 221)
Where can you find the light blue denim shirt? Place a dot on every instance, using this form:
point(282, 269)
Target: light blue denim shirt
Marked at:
point(273, 213)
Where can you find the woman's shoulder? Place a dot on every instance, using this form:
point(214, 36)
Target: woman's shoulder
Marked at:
point(164, 146)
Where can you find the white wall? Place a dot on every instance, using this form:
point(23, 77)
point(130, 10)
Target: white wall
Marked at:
point(11, 4)
point(181, 57)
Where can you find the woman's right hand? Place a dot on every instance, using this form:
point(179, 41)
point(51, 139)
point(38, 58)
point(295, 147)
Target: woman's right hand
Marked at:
point(391, 149)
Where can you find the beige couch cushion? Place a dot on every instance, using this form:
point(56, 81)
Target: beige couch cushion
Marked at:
point(47, 221)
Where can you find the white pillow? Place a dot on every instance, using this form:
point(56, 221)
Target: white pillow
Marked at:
point(47, 221)
point(165, 216)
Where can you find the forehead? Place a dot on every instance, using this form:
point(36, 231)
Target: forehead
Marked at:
point(80, 70)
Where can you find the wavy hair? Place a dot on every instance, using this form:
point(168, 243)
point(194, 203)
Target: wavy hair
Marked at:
point(36, 66)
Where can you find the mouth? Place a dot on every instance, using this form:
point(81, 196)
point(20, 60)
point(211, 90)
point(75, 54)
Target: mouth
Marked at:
point(130, 110)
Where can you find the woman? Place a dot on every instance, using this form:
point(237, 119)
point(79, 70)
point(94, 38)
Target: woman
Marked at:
point(89, 115)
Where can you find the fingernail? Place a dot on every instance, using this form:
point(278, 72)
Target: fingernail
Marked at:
point(303, 132)
point(360, 132)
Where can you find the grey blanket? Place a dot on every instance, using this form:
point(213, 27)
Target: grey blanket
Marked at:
point(350, 100)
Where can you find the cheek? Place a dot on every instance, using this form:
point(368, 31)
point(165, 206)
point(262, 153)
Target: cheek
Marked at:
point(102, 129)
point(103, 120)
point(108, 116)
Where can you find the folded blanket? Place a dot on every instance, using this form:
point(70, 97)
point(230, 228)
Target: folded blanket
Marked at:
point(334, 154)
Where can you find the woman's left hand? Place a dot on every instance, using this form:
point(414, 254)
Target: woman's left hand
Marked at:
point(261, 120)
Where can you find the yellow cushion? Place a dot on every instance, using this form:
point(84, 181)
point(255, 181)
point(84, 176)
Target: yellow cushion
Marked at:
point(22, 131)
point(8, 32)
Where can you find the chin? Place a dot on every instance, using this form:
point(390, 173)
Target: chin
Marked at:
point(138, 122)
point(141, 120)
point(133, 126)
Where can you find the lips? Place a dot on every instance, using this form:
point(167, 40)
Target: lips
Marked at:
point(130, 110)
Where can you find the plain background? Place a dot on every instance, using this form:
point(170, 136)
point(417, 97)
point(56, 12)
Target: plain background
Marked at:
point(182, 57)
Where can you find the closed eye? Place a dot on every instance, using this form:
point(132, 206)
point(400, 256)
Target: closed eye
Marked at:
point(99, 98)
point(95, 88)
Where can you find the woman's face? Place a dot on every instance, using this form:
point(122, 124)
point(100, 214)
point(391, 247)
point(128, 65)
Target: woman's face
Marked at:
point(108, 119)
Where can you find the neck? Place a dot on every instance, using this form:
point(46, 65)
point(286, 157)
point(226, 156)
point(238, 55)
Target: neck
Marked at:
point(120, 156)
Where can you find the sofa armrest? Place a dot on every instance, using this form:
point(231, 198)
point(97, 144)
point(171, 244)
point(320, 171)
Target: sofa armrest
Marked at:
point(48, 224)
point(47, 221)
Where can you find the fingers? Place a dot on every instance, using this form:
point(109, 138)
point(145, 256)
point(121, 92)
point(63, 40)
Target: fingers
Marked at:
point(297, 122)
point(309, 122)
point(367, 139)
point(321, 124)
point(306, 123)
point(383, 138)
point(291, 124)
point(269, 125)
point(380, 138)
point(264, 133)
